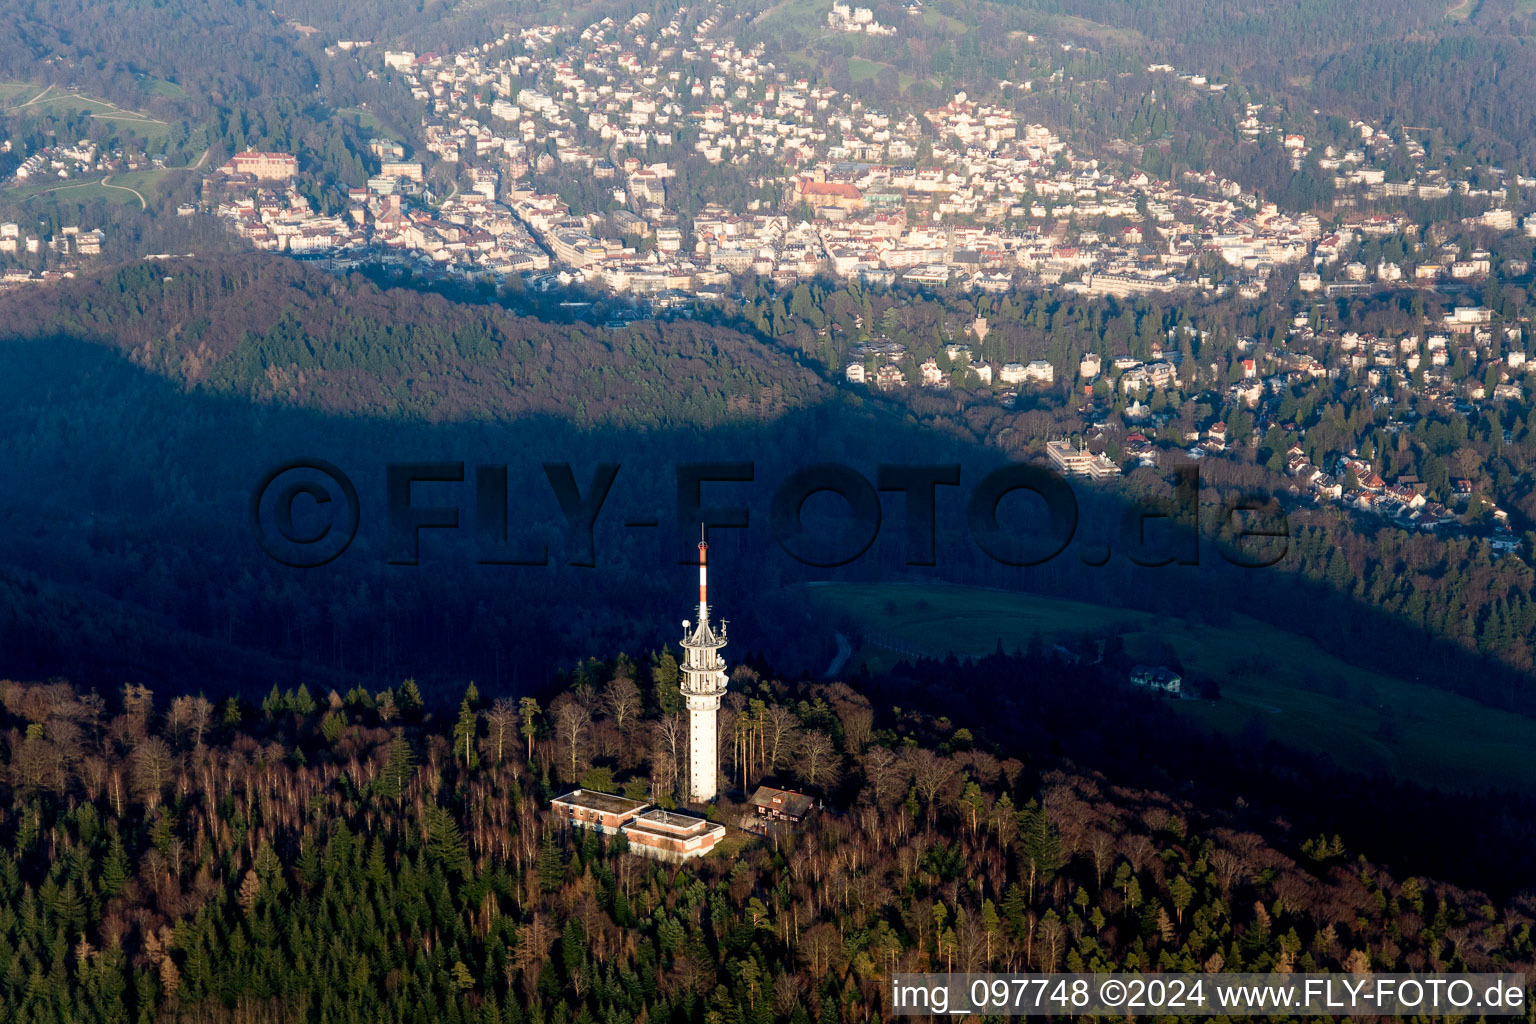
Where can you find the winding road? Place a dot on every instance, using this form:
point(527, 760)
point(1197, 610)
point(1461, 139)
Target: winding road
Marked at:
point(844, 652)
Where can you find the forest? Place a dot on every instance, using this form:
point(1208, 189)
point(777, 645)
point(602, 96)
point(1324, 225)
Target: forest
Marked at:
point(1401, 63)
point(357, 857)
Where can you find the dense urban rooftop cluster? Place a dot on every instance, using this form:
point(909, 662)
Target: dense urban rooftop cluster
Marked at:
point(964, 195)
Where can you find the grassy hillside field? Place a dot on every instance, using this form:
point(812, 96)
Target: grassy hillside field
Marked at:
point(1273, 682)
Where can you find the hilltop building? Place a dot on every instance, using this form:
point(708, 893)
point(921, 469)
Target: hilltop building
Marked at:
point(263, 166)
point(1158, 677)
point(651, 831)
point(784, 805)
point(1078, 461)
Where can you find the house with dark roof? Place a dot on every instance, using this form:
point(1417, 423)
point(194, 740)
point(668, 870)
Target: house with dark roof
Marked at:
point(772, 804)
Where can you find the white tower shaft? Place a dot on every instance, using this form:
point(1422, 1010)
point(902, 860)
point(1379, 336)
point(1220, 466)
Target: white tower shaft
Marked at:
point(703, 685)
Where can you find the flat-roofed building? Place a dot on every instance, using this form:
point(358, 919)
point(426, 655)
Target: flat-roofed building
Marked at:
point(602, 811)
point(410, 169)
point(1078, 461)
point(671, 836)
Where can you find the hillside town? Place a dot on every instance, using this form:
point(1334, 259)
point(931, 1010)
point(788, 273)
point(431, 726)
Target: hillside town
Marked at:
point(965, 195)
point(66, 249)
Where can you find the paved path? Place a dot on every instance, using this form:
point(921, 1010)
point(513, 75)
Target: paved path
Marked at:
point(34, 99)
point(57, 188)
point(124, 188)
point(844, 652)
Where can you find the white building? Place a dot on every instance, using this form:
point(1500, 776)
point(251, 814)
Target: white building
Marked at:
point(1078, 461)
point(1039, 371)
point(703, 685)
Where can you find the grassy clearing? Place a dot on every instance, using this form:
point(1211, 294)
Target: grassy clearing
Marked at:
point(1082, 30)
point(17, 92)
point(1273, 681)
point(18, 96)
point(67, 103)
point(933, 19)
point(161, 87)
point(90, 190)
point(802, 14)
point(364, 119)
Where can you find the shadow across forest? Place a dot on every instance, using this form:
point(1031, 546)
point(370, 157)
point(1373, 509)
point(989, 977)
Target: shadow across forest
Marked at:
point(127, 492)
point(130, 557)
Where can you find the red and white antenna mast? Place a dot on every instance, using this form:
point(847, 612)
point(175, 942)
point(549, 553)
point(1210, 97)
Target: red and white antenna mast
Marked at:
point(703, 583)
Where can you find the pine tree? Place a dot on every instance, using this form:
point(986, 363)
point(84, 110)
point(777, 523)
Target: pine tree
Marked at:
point(1038, 844)
point(114, 870)
point(408, 700)
point(274, 704)
point(551, 867)
point(444, 842)
point(397, 770)
point(303, 703)
point(464, 731)
point(664, 674)
point(528, 710)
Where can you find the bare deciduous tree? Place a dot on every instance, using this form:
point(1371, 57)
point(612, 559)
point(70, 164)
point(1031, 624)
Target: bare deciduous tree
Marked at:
point(885, 774)
point(572, 723)
point(858, 726)
point(818, 763)
point(502, 719)
point(1051, 935)
point(153, 765)
point(621, 699)
point(780, 730)
point(930, 772)
point(138, 703)
point(190, 716)
point(671, 734)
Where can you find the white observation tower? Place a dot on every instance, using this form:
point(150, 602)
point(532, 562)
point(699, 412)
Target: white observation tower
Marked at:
point(703, 684)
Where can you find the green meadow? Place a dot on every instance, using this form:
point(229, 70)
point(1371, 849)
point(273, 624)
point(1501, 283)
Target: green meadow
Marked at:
point(1273, 682)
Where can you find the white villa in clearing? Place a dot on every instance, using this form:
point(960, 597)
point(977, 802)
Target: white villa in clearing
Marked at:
point(703, 685)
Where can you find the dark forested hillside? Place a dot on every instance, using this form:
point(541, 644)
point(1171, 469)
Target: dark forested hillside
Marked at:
point(266, 330)
point(246, 364)
point(338, 857)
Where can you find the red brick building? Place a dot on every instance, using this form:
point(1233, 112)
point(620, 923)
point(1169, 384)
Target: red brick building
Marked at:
point(664, 835)
point(670, 836)
point(602, 811)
